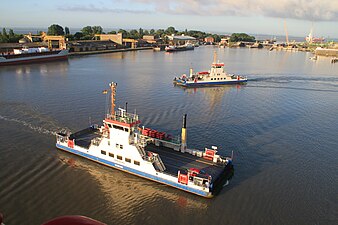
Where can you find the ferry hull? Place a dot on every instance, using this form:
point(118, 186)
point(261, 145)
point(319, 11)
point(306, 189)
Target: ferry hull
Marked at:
point(63, 55)
point(135, 172)
point(196, 84)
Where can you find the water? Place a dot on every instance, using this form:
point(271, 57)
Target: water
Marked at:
point(282, 126)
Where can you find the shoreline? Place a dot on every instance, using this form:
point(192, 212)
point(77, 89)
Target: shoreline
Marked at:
point(71, 54)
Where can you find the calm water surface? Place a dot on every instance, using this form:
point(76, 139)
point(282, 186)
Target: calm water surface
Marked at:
point(282, 127)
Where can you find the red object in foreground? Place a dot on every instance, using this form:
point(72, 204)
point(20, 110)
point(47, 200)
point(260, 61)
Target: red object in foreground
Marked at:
point(73, 220)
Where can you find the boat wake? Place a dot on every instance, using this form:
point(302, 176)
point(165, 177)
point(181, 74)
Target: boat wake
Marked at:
point(29, 125)
point(30, 118)
point(324, 84)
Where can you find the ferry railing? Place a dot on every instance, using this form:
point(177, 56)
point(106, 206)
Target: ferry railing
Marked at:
point(124, 117)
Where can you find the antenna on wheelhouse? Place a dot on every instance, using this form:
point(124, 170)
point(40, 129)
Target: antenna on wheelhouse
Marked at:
point(112, 97)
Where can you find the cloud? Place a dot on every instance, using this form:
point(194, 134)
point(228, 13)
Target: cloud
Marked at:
point(312, 10)
point(94, 9)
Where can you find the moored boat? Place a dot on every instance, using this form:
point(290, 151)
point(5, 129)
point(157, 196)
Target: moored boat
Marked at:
point(215, 76)
point(122, 144)
point(30, 55)
point(175, 48)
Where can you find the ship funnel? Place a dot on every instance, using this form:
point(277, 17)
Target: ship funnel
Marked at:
point(184, 134)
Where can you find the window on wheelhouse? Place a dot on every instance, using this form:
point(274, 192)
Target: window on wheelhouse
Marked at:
point(136, 162)
point(111, 154)
point(119, 157)
point(127, 160)
point(103, 152)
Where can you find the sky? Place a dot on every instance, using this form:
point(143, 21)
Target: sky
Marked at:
point(217, 16)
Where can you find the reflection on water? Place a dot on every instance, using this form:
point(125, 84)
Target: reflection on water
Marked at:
point(61, 67)
point(280, 125)
point(212, 95)
point(113, 181)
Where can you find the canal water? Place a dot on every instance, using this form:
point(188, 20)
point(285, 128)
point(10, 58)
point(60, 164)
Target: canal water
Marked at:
point(282, 126)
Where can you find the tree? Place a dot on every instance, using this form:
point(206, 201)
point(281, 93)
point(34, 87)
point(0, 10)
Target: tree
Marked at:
point(97, 30)
point(78, 35)
point(112, 32)
point(235, 37)
point(124, 33)
point(55, 29)
point(67, 31)
point(145, 32)
point(4, 32)
point(152, 31)
point(170, 30)
point(11, 33)
point(141, 33)
point(134, 34)
point(160, 33)
point(86, 31)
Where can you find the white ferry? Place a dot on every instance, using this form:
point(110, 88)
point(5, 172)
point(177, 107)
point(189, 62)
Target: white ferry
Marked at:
point(215, 76)
point(122, 144)
point(30, 55)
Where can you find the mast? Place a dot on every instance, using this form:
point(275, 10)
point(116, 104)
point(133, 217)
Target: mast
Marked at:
point(286, 33)
point(112, 93)
point(215, 56)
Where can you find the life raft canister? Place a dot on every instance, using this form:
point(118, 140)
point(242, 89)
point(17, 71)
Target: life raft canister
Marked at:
point(238, 77)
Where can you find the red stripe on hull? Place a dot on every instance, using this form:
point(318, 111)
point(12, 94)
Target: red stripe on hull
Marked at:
point(47, 59)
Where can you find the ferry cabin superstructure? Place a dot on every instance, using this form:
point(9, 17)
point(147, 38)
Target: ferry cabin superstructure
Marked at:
point(120, 143)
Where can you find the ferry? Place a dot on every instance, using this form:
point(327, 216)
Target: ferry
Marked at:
point(29, 55)
point(215, 76)
point(121, 143)
point(175, 48)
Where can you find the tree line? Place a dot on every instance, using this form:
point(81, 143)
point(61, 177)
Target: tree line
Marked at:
point(88, 33)
point(10, 36)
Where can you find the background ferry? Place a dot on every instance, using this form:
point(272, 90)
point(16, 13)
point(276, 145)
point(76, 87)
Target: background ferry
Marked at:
point(29, 55)
point(215, 76)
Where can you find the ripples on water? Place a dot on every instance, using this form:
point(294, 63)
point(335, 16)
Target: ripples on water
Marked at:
point(282, 127)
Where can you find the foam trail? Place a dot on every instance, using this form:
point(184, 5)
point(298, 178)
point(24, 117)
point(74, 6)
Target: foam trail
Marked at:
point(38, 129)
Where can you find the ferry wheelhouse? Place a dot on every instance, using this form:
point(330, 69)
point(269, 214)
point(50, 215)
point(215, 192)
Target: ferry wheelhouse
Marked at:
point(215, 76)
point(122, 144)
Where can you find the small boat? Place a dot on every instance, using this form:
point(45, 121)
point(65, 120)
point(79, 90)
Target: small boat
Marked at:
point(334, 60)
point(122, 144)
point(313, 57)
point(30, 55)
point(175, 48)
point(215, 76)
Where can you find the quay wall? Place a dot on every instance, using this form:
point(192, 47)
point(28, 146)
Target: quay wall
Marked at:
point(327, 52)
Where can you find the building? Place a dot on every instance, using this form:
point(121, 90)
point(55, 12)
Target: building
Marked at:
point(117, 38)
point(92, 45)
point(149, 39)
point(209, 40)
point(53, 41)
